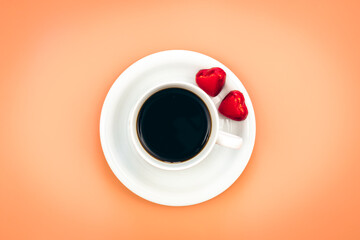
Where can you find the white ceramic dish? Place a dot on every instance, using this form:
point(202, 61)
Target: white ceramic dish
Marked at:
point(190, 186)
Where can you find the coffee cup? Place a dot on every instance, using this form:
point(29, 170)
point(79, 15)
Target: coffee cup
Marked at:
point(175, 126)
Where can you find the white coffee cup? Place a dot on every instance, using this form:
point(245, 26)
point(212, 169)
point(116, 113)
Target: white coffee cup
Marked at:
point(216, 136)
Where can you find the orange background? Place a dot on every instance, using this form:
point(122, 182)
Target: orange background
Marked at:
point(299, 60)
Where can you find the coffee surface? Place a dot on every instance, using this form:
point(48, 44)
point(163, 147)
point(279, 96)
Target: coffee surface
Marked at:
point(173, 125)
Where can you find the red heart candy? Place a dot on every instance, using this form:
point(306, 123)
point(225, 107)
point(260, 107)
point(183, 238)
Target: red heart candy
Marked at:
point(233, 106)
point(211, 80)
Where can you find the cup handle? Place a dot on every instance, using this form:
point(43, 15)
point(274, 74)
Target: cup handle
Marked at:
point(229, 140)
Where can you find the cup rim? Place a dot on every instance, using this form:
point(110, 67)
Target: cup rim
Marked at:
point(198, 157)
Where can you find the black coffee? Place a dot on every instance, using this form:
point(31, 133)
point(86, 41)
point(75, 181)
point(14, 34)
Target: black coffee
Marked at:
point(173, 125)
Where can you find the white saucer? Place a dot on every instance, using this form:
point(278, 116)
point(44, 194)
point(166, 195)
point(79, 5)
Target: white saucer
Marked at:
point(174, 188)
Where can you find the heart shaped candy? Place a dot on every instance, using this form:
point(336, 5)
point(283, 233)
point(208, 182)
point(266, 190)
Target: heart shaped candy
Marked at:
point(233, 106)
point(211, 80)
